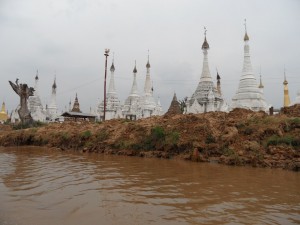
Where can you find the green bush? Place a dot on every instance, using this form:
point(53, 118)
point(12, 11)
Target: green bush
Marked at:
point(173, 137)
point(158, 133)
point(228, 152)
point(210, 139)
point(102, 135)
point(65, 136)
point(20, 126)
point(288, 140)
point(86, 134)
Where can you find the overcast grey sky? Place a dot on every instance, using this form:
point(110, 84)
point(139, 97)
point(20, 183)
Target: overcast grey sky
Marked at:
point(69, 37)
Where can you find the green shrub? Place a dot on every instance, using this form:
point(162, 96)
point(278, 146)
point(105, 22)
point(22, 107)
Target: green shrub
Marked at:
point(65, 136)
point(20, 126)
point(86, 134)
point(173, 137)
point(158, 133)
point(210, 139)
point(287, 140)
point(228, 151)
point(102, 135)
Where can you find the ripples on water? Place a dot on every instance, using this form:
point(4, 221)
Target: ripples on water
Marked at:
point(43, 186)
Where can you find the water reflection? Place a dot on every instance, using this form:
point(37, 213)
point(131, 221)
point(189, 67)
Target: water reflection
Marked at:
point(44, 186)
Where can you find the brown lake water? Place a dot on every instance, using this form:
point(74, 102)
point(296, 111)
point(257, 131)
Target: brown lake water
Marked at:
point(40, 186)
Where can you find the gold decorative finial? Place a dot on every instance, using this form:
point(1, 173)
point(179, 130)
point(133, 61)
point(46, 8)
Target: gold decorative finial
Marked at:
point(285, 81)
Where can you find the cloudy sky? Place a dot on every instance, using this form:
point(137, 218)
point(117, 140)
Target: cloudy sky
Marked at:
point(68, 38)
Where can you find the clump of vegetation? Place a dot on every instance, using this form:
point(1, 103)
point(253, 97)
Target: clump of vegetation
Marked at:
point(173, 138)
point(210, 139)
point(20, 126)
point(65, 136)
point(102, 135)
point(228, 151)
point(86, 134)
point(287, 140)
point(158, 134)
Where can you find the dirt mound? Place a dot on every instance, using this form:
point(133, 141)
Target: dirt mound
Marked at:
point(241, 137)
point(293, 110)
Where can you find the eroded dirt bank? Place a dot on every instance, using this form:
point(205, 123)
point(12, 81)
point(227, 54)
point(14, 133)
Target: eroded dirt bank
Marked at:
point(240, 137)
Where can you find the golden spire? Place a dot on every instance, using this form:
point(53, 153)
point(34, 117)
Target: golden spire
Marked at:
point(246, 37)
point(3, 107)
point(3, 114)
point(286, 97)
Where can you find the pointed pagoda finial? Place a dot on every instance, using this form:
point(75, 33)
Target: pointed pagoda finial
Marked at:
point(54, 83)
point(246, 37)
point(218, 76)
point(260, 82)
point(285, 81)
point(152, 89)
point(112, 68)
point(148, 64)
point(37, 75)
point(134, 70)
point(205, 44)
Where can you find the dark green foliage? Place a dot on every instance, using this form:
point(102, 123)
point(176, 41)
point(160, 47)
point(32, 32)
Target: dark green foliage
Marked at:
point(86, 134)
point(173, 138)
point(157, 134)
point(210, 139)
point(287, 140)
point(248, 131)
point(228, 151)
point(28, 125)
point(102, 135)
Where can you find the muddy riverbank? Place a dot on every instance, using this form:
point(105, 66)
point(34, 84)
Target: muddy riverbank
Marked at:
point(240, 137)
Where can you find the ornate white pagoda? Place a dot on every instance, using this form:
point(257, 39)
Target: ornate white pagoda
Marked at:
point(249, 94)
point(297, 100)
point(131, 108)
point(113, 106)
point(149, 107)
point(206, 98)
point(52, 112)
point(35, 104)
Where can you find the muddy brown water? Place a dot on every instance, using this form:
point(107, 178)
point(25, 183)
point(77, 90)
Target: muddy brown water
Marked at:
point(40, 186)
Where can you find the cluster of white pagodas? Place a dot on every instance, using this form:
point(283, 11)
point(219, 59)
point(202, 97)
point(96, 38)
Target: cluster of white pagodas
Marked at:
point(136, 106)
point(208, 97)
point(37, 110)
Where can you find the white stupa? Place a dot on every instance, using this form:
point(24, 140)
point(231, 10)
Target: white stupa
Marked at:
point(206, 97)
point(149, 107)
point(297, 100)
point(35, 104)
point(249, 94)
point(131, 108)
point(52, 112)
point(113, 107)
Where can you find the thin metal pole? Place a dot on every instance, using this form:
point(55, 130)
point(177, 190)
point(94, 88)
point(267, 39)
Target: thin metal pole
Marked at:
point(106, 55)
